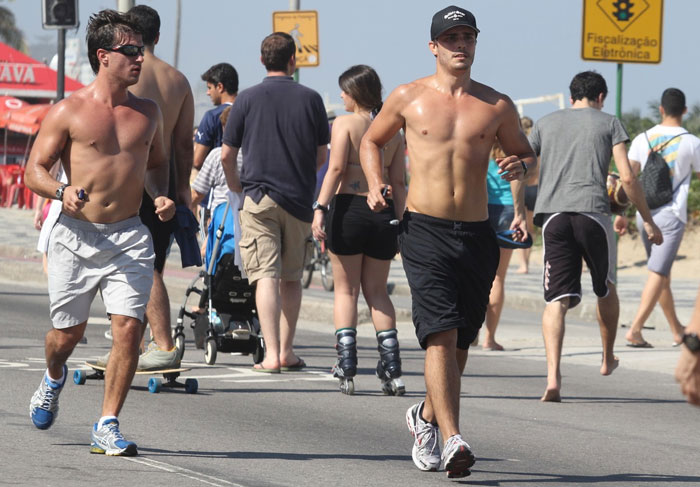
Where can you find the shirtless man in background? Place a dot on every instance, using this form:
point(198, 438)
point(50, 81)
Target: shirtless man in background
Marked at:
point(110, 144)
point(169, 88)
point(448, 248)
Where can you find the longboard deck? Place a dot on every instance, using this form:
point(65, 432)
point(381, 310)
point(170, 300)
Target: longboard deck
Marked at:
point(141, 372)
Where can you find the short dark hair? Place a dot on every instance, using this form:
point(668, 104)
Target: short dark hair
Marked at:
point(673, 102)
point(104, 29)
point(276, 50)
point(148, 22)
point(588, 84)
point(225, 74)
point(362, 83)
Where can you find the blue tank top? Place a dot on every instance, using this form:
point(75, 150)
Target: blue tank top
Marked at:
point(498, 189)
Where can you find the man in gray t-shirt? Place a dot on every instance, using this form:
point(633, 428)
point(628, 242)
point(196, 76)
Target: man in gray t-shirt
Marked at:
point(575, 146)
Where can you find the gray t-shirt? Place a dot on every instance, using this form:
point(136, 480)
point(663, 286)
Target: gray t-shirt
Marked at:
point(575, 146)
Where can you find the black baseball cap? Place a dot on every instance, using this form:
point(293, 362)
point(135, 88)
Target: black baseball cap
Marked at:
point(449, 17)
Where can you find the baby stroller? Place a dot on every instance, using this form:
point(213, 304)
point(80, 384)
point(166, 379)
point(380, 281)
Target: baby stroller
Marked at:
point(226, 318)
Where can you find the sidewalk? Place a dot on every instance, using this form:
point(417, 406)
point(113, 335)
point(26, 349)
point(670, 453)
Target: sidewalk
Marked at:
point(20, 262)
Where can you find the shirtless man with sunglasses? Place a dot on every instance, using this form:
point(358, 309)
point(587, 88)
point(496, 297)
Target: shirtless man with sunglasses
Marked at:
point(111, 146)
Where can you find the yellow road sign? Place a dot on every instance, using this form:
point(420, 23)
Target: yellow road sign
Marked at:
point(622, 31)
point(302, 25)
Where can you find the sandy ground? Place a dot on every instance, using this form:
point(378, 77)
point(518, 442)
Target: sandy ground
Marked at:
point(631, 258)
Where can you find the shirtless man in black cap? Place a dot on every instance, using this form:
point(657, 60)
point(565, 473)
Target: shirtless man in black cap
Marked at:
point(448, 248)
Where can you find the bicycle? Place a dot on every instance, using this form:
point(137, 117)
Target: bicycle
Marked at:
point(321, 262)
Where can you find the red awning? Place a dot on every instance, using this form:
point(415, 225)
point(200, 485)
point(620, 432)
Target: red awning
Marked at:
point(25, 77)
point(27, 119)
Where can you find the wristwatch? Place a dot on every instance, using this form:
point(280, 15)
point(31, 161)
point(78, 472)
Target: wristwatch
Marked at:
point(524, 167)
point(692, 341)
point(319, 206)
point(59, 192)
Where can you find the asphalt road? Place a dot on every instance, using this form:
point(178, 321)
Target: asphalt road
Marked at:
point(250, 429)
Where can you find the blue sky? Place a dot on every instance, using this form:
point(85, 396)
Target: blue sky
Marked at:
point(526, 48)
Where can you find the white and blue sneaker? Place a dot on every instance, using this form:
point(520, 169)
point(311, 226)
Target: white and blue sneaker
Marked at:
point(43, 408)
point(457, 457)
point(108, 440)
point(426, 450)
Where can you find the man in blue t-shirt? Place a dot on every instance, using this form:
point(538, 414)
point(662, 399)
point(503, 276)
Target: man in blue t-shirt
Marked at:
point(222, 88)
point(282, 128)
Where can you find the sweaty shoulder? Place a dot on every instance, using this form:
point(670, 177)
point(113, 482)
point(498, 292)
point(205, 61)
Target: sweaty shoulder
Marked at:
point(490, 96)
point(145, 105)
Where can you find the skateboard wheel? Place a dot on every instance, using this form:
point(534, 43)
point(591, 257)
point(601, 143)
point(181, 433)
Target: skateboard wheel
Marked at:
point(79, 377)
point(154, 385)
point(191, 386)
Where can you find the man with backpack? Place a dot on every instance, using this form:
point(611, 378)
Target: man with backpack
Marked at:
point(667, 196)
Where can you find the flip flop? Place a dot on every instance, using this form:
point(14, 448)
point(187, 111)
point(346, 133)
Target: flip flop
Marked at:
point(505, 240)
point(676, 344)
point(294, 368)
point(264, 370)
point(643, 344)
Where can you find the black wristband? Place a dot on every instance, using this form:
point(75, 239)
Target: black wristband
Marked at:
point(319, 206)
point(524, 167)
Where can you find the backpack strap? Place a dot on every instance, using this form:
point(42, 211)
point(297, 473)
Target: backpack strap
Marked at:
point(662, 146)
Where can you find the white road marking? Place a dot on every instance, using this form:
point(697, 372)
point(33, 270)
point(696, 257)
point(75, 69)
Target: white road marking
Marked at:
point(8, 364)
point(190, 474)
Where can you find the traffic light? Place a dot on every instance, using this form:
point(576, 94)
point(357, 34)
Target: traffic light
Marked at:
point(59, 14)
point(623, 13)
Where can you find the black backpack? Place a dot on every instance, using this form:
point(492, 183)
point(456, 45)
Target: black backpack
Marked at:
point(656, 176)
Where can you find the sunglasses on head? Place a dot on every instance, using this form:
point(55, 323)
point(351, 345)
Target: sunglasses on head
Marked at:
point(128, 50)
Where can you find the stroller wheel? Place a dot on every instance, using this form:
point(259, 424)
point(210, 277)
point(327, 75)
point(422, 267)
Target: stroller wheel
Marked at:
point(180, 344)
point(210, 351)
point(259, 353)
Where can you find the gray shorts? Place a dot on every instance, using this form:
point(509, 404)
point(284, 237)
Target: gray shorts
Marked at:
point(116, 258)
point(660, 257)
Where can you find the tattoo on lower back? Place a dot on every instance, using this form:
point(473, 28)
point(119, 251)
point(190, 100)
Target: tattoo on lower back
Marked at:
point(355, 185)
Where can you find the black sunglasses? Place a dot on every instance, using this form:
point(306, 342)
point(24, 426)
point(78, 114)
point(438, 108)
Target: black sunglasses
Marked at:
point(128, 50)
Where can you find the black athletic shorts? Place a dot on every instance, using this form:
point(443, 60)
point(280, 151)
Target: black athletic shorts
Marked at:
point(352, 228)
point(450, 266)
point(161, 232)
point(566, 239)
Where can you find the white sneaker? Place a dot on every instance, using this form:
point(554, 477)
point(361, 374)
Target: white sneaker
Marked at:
point(457, 458)
point(426, 450)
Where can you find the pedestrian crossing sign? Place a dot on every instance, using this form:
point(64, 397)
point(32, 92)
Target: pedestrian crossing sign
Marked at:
point(302, 25)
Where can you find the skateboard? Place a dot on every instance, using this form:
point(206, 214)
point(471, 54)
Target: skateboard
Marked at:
point(155, 384)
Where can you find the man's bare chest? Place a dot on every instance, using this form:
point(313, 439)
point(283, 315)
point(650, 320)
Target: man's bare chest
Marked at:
point(440, 122)
point(112, 132)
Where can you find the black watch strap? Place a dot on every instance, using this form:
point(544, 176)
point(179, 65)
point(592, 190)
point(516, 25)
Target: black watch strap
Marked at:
point(319, 206)
point(524, 167)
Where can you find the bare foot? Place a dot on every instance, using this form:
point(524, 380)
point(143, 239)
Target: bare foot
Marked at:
point(608, 368)
point(551, 395)
point(493, 347)
point(522, 270)
point(271, 365)
point(632, 337)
